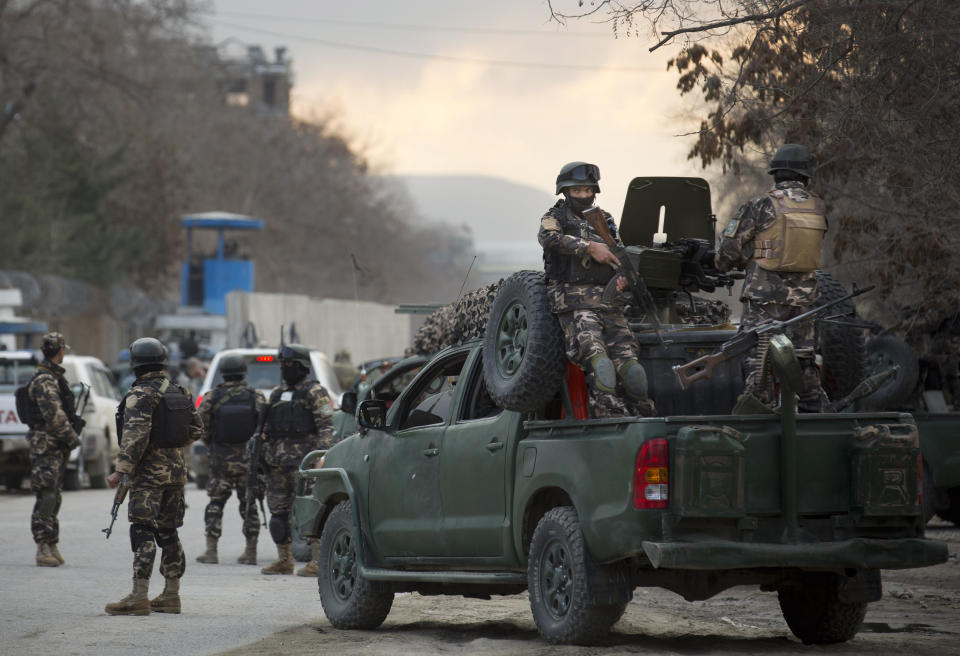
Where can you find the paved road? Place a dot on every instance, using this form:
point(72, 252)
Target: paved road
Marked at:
point(60, 610)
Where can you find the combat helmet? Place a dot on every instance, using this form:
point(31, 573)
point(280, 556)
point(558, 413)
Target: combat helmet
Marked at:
point(147, 350)
point(233, 365)
point(295, 353)
point(792, 157)
point(578, 174)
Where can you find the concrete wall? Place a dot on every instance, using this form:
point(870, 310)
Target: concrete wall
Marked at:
point(367, 330)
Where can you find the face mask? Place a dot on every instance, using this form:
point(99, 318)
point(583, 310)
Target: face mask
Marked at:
point(292, 373)
point(580, 204)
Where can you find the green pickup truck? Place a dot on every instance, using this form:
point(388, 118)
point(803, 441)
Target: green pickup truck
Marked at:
point(448, 493)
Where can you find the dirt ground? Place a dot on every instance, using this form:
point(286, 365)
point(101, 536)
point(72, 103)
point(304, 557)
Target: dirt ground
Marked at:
point(919, 614)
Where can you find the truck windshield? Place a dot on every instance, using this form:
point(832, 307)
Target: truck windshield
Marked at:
point(260, 375)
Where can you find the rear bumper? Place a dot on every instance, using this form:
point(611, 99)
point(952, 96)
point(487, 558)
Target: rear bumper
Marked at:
point(859, 553)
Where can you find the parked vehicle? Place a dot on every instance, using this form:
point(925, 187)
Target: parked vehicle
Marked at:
point(16, 369)
point(96, 456)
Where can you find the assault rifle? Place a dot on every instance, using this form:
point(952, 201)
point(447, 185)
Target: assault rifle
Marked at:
point(254, 449)
point(703, 366)
point(598, 221)
point(118, 498)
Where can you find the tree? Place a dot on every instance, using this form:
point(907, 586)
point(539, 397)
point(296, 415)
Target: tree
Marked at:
point(871, 86)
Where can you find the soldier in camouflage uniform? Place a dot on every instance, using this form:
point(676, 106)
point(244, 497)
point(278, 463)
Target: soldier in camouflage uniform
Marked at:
point(299, 420)
point(157, 419)
point(51, 437)
point(578, 265)
point(777, 238)
point(229, 413)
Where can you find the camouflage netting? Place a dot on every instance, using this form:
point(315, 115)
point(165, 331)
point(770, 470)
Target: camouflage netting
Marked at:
point(456, 323)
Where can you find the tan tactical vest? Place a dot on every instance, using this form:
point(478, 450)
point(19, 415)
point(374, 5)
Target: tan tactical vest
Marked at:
point(793, 241)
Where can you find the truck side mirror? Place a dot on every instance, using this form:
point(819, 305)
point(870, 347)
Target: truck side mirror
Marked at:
point(348, 402)
point(372, 413)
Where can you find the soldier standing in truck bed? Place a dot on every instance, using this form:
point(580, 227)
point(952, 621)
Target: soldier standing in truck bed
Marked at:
point(52, 420)
point(157, 419)
point(299, 420)
point(578, 265)
point(229, 414)
point(777, 238)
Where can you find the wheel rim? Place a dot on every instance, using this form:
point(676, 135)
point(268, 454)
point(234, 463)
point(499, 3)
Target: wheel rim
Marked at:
point(343, 565)
point(556, 582)
point(512, 339)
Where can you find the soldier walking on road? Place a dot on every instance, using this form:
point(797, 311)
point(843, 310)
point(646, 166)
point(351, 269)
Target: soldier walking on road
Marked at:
point(298, 421)
point(777, 239)
point(157, 420)
point(53, 434)
point(229, 413)
point(578, 265)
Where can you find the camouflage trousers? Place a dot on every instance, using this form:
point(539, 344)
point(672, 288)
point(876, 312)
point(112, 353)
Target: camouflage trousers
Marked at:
point(758, 373)
point(46, 480)
point(589, 333)
point(281, 482)
point(219, 489)
point(155, 513)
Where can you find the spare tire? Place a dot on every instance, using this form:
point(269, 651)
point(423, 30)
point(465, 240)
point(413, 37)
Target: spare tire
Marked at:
point(884, 352)
point(523, 355)
point(842, 347)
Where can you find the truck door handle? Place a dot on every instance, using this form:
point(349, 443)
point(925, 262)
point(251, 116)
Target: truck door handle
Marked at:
point(431, 452)
point(494, 446)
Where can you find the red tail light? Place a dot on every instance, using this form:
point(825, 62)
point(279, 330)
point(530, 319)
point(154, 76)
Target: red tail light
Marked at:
point(199, 399)
point(651, 477)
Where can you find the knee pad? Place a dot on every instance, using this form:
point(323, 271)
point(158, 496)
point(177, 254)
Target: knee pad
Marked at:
point(140, 534)
point(167, 537)
point(48, 502)
point(280, 527)
point(213, 512)
point(634, 379)
point(603, 372)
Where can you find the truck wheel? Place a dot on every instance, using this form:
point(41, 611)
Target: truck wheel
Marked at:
point(814, 612)
point(99, 481)
point(13, 482)
point(842, 347)
point(951, 513)
point(523, 355)
point(201, 481)
point(557, 583)
point(349, 601)
point(883, 352)
point(71, 480)
point(299, 546)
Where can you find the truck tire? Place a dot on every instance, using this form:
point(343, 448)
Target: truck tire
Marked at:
point(951, 513)
point(814, 612)
point(557, 582)
point(842, 347)
point(201, 480)
point(299, 546)
point(71, 480)
point(349, 601)
point(883, 352)
point(13, 481)
point(99, 481)
point(523, 355)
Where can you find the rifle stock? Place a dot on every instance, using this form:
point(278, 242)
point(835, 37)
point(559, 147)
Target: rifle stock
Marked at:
point(118, 498)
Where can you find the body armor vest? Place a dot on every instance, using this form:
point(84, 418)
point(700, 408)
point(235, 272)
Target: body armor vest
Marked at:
point(287, 419)
point(570, 268)
point(234, 416)
point(794, 240)
point(170, 422)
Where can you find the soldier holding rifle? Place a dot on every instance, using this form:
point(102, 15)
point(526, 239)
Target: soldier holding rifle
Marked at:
point(578, 264)
point(156, 420)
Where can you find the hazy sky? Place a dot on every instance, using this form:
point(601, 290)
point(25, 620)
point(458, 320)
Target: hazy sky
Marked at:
point(456, 111)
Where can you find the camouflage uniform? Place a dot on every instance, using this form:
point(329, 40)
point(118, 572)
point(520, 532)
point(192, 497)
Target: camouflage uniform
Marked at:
point(767, 295)
point(50, 446)
point(228, 466)
point(591, 328)
point(156, 476)
point(282, 455)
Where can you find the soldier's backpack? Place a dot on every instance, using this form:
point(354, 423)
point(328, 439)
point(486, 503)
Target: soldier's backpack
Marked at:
point(27, 409)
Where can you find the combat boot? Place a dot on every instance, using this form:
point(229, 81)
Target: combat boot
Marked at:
point(167, 601)
point(135, 603)
point(210, 555)
point(56, 553)
point(310, 569)
point(44, 557)
point(249, 555)
point(284, 562)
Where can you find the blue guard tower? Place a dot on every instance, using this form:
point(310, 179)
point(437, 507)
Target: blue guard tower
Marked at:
point(205, 281)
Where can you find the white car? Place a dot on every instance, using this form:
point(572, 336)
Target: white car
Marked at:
point(16, 369)
point(96, 456)
point(263, 374)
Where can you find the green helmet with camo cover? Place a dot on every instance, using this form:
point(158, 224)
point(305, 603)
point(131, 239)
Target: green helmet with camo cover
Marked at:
point(792, 157)
point(147, 350)
point(295, 353)
point(233, 365)
point(578, 174)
